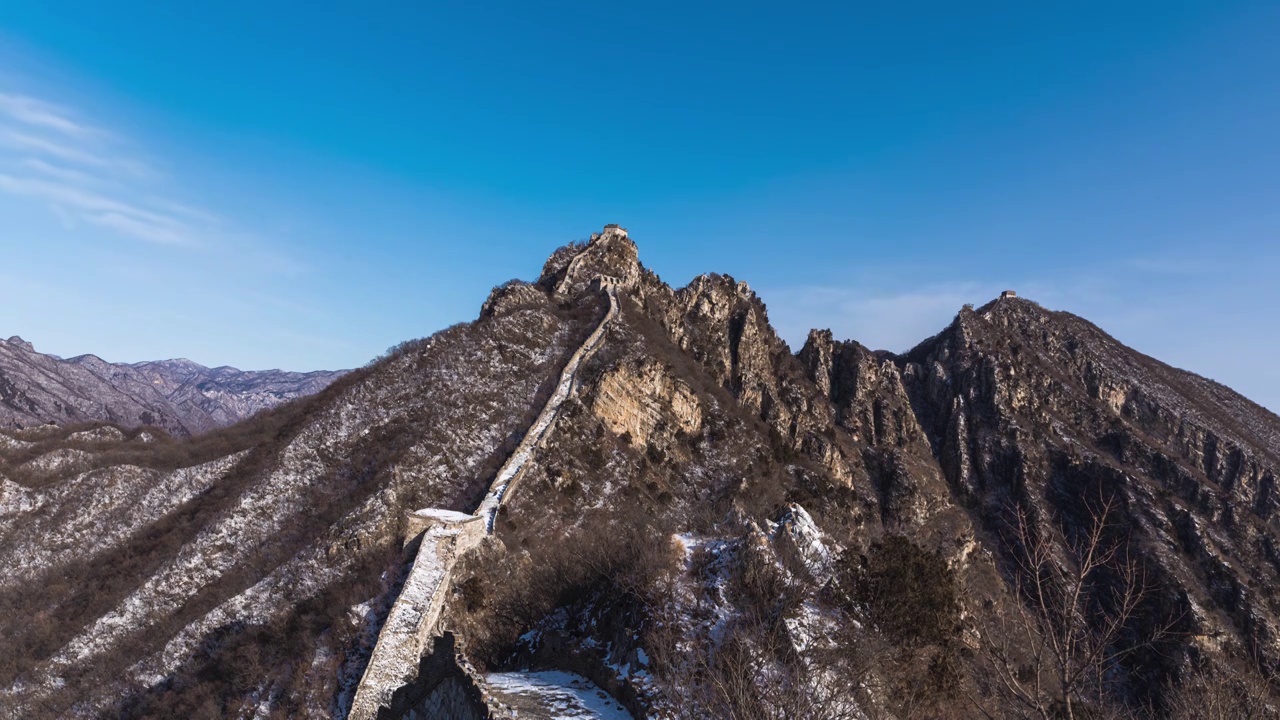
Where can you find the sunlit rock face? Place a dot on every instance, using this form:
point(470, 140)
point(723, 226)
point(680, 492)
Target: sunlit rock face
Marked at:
point(644, 400)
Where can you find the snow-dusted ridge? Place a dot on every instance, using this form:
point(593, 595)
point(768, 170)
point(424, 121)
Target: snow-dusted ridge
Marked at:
point(555, 694)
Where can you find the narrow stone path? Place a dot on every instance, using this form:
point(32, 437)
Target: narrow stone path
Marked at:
point(510, 473)
point(408, 629)
point(412, 621)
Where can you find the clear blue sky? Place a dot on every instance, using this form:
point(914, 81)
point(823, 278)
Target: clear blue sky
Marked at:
point(267, 184)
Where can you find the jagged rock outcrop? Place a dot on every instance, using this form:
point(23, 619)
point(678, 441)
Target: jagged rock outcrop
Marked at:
point(510, 297)
point(866, 389)
point(179, 396)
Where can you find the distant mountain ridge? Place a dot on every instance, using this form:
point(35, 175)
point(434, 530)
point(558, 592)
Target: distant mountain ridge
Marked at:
point(181, 396)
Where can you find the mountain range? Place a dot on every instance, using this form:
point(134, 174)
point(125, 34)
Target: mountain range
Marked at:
point(610, 498)
point(178, 396)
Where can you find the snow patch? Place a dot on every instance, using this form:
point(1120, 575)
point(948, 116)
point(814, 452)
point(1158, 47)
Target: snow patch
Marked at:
point(807, 537)
point(554, 694)
point(448, 516)
point(56, 461)
point(15, 499)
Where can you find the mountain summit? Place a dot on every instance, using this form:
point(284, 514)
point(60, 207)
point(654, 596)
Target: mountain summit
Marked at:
point(607, 497)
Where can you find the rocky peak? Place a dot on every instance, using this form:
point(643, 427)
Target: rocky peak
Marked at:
point(177, 365)
point(865, 387)
point(816, 357)
point(512, 295)
point(715, 293)
point(610, 253)
point(19, 342)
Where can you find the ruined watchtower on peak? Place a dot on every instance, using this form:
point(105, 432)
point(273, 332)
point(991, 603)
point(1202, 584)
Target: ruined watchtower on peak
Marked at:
point(1008, 294)
point(610, 229)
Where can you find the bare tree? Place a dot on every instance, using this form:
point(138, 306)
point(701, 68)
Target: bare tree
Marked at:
point(1219, 693)
point(1054, 653)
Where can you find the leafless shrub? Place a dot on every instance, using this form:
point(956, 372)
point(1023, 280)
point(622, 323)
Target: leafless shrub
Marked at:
point(1216, 692)
point(1056, 654)
point(754, 674)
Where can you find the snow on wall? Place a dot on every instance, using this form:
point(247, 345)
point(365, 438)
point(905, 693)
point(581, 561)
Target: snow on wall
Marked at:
point(509, 475)
point(412, 621)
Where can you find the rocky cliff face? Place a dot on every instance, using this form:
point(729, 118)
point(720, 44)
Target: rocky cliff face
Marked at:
point(1029, 408)
point(179, 396)
point(713, 526)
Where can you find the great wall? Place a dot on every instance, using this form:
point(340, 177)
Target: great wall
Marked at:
point(412, 644)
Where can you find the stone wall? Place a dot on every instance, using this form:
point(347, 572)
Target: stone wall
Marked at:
point(412, 622)
point(444, 689)
point(412, 625)
point(510, 473)
point(449, 701)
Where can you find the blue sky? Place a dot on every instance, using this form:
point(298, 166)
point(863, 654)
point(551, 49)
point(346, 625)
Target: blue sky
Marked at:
point(295, 187)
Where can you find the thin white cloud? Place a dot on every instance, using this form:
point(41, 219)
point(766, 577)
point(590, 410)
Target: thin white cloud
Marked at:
point(158, 232)
point(38, 113)
point(97, 182)
point(102, 210)
point(26, 142)
point(58, 172)
point(90, 177)
point(881, 320)
point(188, 211)
point(90, 157)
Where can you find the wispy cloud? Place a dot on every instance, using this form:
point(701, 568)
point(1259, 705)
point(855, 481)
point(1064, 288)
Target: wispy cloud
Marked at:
point(90, 176)
point(102, 210)
point(58, 172)
point(46, 147)
point(38, 113)
point(160, 232)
